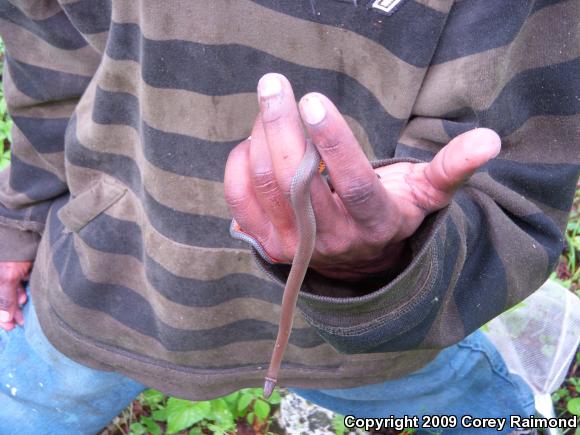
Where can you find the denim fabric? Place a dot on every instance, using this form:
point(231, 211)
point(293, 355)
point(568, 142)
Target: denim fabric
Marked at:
point(469, 378)
point(44, 392)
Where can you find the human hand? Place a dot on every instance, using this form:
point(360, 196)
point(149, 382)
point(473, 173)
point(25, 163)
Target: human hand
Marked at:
point(362, 224)
point(12, 293)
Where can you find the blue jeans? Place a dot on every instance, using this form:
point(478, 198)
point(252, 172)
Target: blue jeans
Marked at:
point(44, 392)
point(467, 379)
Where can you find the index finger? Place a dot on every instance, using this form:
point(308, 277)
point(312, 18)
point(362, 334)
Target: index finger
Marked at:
point(352, 175)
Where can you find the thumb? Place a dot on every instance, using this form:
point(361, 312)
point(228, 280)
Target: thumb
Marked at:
point(461, 157)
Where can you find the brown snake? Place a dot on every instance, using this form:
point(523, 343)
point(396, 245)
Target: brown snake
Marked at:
point(306, 226)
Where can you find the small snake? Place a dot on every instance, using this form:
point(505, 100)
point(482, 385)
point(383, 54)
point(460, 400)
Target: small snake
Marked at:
point(306, 223)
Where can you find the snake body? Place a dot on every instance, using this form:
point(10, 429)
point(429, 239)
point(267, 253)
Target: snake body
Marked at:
point(306, 229)
point(306, 226)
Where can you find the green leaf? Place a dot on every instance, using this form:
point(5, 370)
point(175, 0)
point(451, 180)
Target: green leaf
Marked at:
point(250, 418)
point(181, 414)
point(216, 429)
point(573, 406)
point(262, 409)
point(195, 431)
point(338, 424)
point(275, 398)
point(137, 429)
point(232, 398)
point(160, 414)
point(152, 427)
point(222, 414)
point(559, 394)
point(244, 402)
point(153, 397)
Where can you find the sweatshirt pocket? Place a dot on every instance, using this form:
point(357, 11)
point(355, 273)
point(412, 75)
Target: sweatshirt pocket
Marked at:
point(85, 207)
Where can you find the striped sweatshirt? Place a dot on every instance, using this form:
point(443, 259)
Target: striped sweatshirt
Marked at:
point(124, 115)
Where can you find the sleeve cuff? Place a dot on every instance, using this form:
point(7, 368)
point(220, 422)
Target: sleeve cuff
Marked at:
point(383, 313)
point(17, 244)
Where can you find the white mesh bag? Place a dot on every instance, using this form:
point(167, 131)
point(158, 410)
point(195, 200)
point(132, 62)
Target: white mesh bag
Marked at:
point(538, 339)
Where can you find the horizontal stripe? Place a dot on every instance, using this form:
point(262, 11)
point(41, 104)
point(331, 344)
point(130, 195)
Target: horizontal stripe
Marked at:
point(43, 84)
point(182, 227)
point(553, 137)
point(37, 10)
point(89, 16)
point(179, 259)
point(481, 290)
point(411, 34)
point(15, 99)
point(36, 183)
point(113, 300)
point(442, 6)
point(106, 268)
point(177, 289)
point(542, 183)
point(449, 86)
point(224, 69)
point(56, 29)
point(27, 48)
point(179, 111)
point(46, 135)
point(172, 152)
point(308, 44)
point(538, 92)
point(16, 205)
point(50, 162)
point(540, 4)
point(170, 109)
point(182, 193)
point(474, 26)
point(230, 356)
point(195, 230)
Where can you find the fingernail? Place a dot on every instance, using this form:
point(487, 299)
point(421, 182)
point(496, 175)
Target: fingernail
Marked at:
point(4, 316)
point(269, 86)
point(313, 110)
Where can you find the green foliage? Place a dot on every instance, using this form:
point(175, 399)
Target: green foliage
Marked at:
point(219, 416)
point(573, 406)
point(338, 424)
point(5, 123)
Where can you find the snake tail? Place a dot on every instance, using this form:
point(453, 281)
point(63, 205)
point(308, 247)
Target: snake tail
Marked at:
point(269, 385)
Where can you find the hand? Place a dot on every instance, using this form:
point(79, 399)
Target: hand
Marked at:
point(12, 294)
point(362, 225)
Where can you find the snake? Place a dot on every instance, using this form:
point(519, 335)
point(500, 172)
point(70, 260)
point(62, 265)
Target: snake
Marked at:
point(301, 204)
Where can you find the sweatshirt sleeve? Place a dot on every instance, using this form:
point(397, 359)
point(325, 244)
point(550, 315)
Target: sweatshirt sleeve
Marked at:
point(47, 66)
point(501, 236)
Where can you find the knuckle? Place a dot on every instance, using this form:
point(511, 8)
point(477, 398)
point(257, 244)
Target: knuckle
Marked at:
point(236, 199)
point(6, 302)
point(331, 145)
point(332, 248)
point(265, 183)
point(273, 119)
point(357, 192)
point(426, 198)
